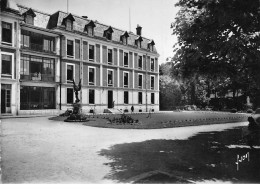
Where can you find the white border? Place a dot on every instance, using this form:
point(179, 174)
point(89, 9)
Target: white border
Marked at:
point(151, 82)
point(74, 43)
point(92, 44)
point(12, 59)
point(112, 77)
point(141, 87)
point(124, 79)
point(95, 75)
point(73, 71)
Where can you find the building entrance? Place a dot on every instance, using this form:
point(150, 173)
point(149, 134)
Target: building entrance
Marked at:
point(5, 98)
point(110, 99)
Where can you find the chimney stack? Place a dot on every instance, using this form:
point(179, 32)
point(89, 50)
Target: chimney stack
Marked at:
point(138, 30)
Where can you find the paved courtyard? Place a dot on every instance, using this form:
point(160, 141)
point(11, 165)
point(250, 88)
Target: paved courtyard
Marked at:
point(38, 150)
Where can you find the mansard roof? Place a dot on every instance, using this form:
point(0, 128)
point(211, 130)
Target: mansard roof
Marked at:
point(109, 29)
point(139, 38)
point(152, 43)
point(125, 34)
point(55, 21)
point(30, 12)
point(91, 23)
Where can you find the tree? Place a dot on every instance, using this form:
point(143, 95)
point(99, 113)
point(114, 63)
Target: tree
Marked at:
point(170, 92)
point(219, 40)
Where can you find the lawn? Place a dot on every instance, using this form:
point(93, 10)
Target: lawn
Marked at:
point(163, 119)
point(207, 156)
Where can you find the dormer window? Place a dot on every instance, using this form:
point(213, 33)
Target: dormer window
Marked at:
point(69, 25)
point(29, 17)
point(108, 33)
point(89, 28)
point(124, 37)
point(151, 45)
point(138, 42)
point(68, 22)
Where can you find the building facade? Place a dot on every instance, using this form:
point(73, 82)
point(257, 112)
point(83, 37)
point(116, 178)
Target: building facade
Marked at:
point(117, 69)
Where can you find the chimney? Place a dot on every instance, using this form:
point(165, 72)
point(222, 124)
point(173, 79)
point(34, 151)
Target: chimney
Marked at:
point(138, 30)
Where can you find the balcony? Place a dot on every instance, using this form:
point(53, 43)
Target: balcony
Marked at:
point(37, 47)
point(38, 77)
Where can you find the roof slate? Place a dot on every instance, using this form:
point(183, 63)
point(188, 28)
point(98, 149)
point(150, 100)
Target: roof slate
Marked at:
point(52, 21)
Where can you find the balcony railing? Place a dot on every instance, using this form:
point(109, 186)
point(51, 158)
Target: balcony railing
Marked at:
point(37, 47)
point(38, 77)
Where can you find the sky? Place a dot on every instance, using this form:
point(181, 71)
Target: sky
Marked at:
point(155, 16)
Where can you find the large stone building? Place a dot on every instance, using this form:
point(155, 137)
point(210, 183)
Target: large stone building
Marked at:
point(47, 51)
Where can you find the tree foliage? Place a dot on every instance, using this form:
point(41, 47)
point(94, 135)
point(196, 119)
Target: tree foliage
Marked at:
point(219, 41)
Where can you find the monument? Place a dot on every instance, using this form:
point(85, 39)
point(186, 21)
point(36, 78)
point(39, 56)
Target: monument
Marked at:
point(76, 115)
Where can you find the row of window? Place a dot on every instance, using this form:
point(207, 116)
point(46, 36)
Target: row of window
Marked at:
point(39, 42)
point(110, 76)
point(89, 29)
point(91, 55)
point(108, 34)
point(70, 97)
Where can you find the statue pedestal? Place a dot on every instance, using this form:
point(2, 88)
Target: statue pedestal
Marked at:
point(77, 108)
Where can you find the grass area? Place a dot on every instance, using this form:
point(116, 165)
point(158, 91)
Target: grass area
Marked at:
point(164, 120)
point(199, 158)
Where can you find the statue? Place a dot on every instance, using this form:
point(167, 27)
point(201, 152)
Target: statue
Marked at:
point(77, 89)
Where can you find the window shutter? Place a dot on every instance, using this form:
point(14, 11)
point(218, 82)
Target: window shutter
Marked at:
point(98, 53)
point(131, 59)
point(104, 54)
point(85, 50)
point(148, 64)
point(63, 46)
point(115, 57)
point(135, 61)
point(77, 49)
point(121, 62)
point(156, 65)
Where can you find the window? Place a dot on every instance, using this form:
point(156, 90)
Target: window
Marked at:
point(140, 97)
point(6, 65)
point(48, 45)
point(70, 48)
point(69, 25)
point(70, 73)
point(110, 77)
point(91, 75)
point(152, 64)
point(125, 80)
point(125, 97)
point(6, 32)
point(150, 46)
point(152, 82)
point(138, 43)
point(140, 81)
point(37, 68)
point(91, 52)
point(109, 55)
point(152, 98)
point(140, 62)
point(29, 19)
point(124, 40)
point(69, 95)
point(37, 98)
point(109, 35)
point(125, 59)
point(25, 38)
point(91, 96)
point(90, 30)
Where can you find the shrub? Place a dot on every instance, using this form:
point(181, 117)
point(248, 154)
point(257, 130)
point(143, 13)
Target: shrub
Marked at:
point(249, 111)
point(233, 110)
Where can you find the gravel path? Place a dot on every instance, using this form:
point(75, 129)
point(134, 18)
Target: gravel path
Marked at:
point(38, 150)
